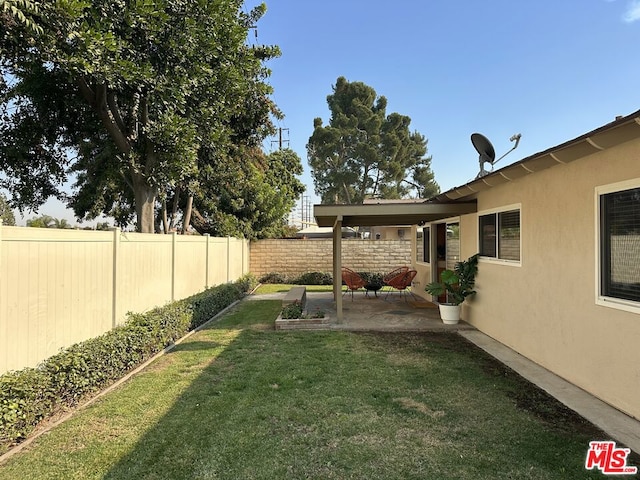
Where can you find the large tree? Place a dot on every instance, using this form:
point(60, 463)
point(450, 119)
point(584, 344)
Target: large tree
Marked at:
point(249, 197)
point(365, 153)
point(133, 98)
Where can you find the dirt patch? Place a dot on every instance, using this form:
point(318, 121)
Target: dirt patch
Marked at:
point(411, 404)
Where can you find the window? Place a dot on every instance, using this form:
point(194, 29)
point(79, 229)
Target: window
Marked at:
point(620, 244)
point(426, 244)
point(499, 235)
point(452, 245)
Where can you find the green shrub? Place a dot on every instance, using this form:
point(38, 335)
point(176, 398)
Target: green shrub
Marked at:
point(33, 394)
point(295, 310)
point(273, 277)
point(314, 278)
point(372, 278)
point(247, 282)
point(292, 310)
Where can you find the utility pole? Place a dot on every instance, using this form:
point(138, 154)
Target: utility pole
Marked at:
point(280, 139)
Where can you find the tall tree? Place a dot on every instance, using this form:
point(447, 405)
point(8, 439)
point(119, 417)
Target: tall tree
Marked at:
point(250, 196)
point(365, 153)
point(6, 214)
point(43, 221)
point(136, 91)
point(20, 11)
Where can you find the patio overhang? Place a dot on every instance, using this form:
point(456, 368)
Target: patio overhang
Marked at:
point(380, 214)
point(372, 215)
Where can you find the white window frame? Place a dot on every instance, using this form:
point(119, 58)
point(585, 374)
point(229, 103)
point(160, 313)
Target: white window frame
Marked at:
point(601, 299)
point(426, 226)
point(496, 260)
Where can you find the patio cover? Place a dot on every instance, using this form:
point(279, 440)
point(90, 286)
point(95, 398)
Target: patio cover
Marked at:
point(462, 200)
point(380, 214)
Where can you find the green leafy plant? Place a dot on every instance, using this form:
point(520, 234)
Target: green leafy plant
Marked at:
point(318, 313)
point(458, 283)
point(273, 277)
point(63, 380)
point(292, 310)
point(314, 278)
point(296, 310)
point(373, 279)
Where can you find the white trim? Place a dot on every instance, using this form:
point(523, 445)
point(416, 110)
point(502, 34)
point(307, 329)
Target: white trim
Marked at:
point(433, 240)
point(506, 208)
point(496, 260)
point(600, 299)
point(422, 262)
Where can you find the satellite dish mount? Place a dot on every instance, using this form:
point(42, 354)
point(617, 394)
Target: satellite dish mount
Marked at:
point(487, 153)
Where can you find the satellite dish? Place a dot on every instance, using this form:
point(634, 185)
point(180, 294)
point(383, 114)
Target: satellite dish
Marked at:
point(485, 151)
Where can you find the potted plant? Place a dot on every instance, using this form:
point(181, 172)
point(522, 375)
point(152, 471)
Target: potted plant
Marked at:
point(457, 284)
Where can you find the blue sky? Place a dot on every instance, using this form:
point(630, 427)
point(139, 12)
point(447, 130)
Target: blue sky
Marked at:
point(550, 70)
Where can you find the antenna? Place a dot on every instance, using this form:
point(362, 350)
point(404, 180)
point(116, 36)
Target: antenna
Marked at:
point(487, 153)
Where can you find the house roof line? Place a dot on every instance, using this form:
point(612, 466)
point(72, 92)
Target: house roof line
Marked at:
point(621, 130)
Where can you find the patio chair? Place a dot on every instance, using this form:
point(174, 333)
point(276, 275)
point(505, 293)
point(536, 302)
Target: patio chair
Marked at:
point(389, 277)
point(401, 282)
point(352, 280)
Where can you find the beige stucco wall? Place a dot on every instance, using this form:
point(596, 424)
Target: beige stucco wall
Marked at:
point(546, 307)
point(296, 256)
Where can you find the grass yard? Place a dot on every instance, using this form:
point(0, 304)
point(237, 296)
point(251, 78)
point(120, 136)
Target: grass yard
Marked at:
point(285, 287)
point(241, 401)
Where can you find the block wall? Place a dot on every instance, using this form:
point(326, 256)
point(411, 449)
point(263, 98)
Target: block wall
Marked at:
point(293, 257)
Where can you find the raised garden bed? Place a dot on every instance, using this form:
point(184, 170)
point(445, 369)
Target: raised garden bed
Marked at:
point(294, 317)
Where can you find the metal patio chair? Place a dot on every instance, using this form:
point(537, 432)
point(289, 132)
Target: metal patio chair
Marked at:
point(352, 280)
point(401, 282)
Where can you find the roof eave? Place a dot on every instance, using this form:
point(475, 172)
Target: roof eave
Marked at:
point(615, 133)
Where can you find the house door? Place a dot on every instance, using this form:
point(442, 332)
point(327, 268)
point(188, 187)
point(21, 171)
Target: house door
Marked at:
point(447, 240)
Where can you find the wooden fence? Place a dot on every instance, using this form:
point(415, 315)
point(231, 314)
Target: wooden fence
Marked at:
point(59, 287)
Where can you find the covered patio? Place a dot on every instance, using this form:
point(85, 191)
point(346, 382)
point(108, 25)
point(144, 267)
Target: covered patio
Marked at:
point(381, 214)
point(392, 313)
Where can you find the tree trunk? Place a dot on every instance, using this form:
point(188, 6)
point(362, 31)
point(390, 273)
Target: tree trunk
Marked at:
point(145, 200)
point(200, 223)
point(165, 222)
point(174, 210)
point(186, 219)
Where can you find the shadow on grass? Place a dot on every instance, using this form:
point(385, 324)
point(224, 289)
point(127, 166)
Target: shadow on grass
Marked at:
point(344, 405)
point(193, 346)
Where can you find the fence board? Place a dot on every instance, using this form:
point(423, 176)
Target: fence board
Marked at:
point(59, 287)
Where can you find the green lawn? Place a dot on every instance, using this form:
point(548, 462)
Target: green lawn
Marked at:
point(241, 401)
point(284, 287)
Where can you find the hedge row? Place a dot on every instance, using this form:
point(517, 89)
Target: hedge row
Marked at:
point(309, 278)
point(33, 394)
point(315, 278)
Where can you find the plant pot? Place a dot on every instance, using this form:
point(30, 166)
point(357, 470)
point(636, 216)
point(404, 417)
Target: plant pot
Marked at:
point(449, 313)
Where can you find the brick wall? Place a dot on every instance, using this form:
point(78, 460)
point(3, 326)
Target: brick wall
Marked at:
point(294, 257)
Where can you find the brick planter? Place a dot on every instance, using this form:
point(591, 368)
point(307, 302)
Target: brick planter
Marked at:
point(302, 323)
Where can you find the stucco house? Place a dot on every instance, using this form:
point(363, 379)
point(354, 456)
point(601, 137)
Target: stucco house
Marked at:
point(558, 234)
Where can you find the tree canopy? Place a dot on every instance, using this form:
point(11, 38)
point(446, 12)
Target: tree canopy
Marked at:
point(47, 221)
point(365, 153)
point(133, 100)
point(6, 214)
point(252, 196)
